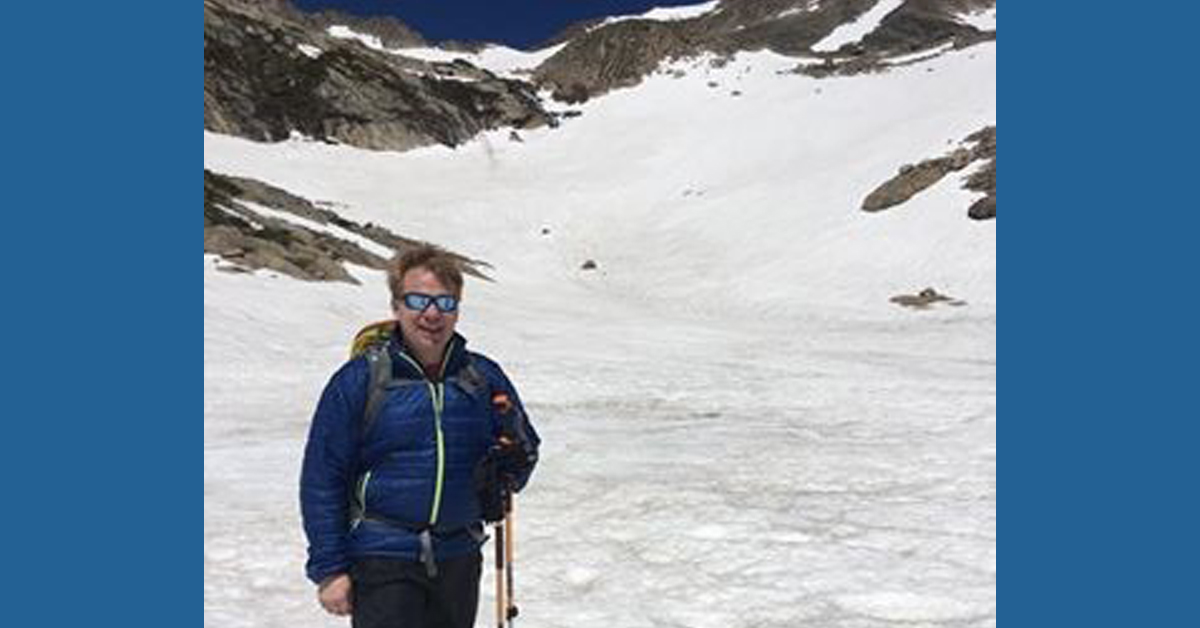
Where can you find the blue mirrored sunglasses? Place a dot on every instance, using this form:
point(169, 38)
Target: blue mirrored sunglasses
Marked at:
point(417, 301)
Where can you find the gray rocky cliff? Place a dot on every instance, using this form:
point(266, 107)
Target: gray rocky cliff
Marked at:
point(269, 73)
point(598, 58)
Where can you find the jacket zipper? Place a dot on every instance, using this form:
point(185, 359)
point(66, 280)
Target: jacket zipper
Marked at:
point(437, 392)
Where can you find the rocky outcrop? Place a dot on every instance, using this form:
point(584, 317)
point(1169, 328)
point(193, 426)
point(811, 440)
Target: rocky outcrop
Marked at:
point(392, 32)
point(614, 56)
point(925, 299)
point(600, 58)
point(984, 179)
point(913, 178)
point(248, 240)
point(920, 24)
point(268, 74)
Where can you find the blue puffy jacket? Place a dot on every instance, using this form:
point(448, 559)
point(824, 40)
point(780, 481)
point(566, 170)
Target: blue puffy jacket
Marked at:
point(413, 469)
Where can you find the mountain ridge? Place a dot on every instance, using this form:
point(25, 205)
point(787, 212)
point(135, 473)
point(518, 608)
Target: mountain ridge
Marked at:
point(450, 87)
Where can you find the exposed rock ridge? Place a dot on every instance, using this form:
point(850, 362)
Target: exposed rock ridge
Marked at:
point(600, 58)
point(248, 240)
point(914, 178)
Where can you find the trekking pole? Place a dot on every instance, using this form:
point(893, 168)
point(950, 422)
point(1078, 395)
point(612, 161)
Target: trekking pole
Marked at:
point(509, 541)
point(500, 606)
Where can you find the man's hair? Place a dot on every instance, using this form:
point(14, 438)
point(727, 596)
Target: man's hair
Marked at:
point(439, 261)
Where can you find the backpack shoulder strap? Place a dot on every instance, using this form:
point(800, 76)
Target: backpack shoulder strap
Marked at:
point(473, 381)
point(380, 362)
point(371, 343)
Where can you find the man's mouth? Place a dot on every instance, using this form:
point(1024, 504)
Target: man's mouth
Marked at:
point(432, 331)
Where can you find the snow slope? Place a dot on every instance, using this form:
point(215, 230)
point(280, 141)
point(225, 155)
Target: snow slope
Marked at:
point(740, 429)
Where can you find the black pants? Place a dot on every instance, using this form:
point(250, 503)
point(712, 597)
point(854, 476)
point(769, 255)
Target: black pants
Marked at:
point(393, 593)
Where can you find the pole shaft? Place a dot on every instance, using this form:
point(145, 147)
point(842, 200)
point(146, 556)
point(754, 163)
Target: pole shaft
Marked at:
point(509, 541)
point(500, 603)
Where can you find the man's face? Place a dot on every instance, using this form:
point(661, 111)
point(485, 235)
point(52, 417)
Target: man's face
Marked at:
point(426, 332)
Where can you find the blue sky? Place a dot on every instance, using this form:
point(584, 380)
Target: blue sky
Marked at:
point(517, 23)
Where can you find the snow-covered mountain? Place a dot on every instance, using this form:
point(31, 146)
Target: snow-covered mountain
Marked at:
point(734, 277)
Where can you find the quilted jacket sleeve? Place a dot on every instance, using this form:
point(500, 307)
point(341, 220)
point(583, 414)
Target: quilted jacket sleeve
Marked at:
point(516, 422)
point(330, 461)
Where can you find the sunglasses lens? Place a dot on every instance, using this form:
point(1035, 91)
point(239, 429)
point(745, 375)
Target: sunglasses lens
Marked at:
point(418, 302)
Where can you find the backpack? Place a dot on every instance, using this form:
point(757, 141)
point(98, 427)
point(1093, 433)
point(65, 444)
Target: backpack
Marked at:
point(371, 342)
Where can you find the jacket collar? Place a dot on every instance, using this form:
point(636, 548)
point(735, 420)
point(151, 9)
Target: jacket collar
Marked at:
point(406, 365)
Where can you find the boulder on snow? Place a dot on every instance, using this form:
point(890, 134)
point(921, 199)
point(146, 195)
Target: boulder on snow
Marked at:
point(925, 299)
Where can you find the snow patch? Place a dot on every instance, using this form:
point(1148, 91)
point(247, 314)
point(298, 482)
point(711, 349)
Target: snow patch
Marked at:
point(859, 28)
point(983, 20)
point(665, 14)
point(345, 32)
point(920, 55)
point(309, 50)
point(812, 5)
point(500, 60)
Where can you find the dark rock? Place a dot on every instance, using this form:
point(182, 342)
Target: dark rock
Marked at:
point(906, 184)
point(921, 24)
point(925, 299)
point(983, 209)
point(913, 178)
point(233, 268)
point(984, 179)
point(258, 85)
point(589, 265)
point(613, 56)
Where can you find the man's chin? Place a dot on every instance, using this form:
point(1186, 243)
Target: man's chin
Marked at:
point(430, 342)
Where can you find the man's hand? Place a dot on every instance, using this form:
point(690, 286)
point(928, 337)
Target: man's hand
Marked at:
point(334, 594)
point(511, 458)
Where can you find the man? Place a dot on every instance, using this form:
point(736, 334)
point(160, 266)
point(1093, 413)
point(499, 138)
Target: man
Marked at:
point(388, 494)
